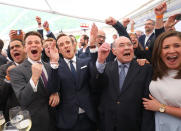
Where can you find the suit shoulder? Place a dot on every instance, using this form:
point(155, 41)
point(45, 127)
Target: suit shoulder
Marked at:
point(5, 66)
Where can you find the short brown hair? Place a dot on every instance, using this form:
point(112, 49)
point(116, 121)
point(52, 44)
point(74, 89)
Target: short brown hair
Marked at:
point(62, 34)
point(48, 39)
point(33, 33)
point(159, 67)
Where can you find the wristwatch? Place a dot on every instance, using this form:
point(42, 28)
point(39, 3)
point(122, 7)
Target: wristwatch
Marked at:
point(162, 108)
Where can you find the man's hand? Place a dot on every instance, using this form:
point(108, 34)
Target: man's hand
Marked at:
point(103, 52)
point(54, 99)
point(125, 22)
point(38, 20)
point(46, 26)
point(160, 9)
point(142, 62)
point(171, 21)
point(36, 72)
point(7, 71)
point(111, 21)
point(54, 55)
point(93, 34)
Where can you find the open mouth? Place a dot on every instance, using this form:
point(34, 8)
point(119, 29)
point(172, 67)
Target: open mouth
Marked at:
point(16, 54)
point(68, 51)
point(172, 58)
point(126, 54)
point(34, 51)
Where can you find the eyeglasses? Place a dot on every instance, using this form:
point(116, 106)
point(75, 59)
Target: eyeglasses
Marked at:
point(148, 24)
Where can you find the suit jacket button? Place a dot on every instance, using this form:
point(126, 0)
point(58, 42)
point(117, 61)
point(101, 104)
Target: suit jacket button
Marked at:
point(118, 102)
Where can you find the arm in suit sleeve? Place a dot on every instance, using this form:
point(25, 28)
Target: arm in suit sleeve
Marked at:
point(53, 81)
point(51, 35)
point(159, 31)
point(4, 87)
point(23, 89)
point(40, 31)
point(121, 30)
point(148, 118)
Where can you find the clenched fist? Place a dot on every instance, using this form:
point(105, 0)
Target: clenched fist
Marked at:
point(110, 21)
point(36, 72)
point(103, 52)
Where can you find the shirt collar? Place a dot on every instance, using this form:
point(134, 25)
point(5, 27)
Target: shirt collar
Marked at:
point(16, 63)
point(126, 64)
point(149, 34)
point(73, 59)
point(32, 61)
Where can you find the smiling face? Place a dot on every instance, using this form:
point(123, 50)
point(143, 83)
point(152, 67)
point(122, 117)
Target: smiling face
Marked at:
point(66, 47)
point(17, 51)
point(134, 40)
point(33, 47)
point(123, 49)
point(171, 52)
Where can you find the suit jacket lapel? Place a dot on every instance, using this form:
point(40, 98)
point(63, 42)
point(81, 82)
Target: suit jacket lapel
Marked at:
point(132, 72)
point(27, 65)
point(79, 79)
point(63, 65)
point(114, 74)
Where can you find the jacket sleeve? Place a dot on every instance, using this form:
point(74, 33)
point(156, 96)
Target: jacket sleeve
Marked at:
point(121, 30)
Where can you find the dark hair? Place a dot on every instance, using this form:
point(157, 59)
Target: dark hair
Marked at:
point(160, 69)
point(62, 34)
point(85, 37)
point(1, 45)
point(33, 33)
point(17, 40)
point(72, 36)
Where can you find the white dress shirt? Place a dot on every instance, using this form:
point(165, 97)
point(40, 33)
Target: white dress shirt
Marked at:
point(31, 81)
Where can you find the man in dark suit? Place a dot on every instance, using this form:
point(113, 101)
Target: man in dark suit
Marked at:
point(123, 83)
point(146, 39)
point(3, 59)
point(84, 52)
point(29, 82)
point(8, 98)
point(71, 78)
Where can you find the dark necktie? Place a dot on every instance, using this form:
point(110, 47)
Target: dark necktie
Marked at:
point(121, 75)
point(44, 78)
point(72, 69)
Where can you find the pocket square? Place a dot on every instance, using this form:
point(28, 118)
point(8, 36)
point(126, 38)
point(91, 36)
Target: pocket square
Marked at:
point(83, 67)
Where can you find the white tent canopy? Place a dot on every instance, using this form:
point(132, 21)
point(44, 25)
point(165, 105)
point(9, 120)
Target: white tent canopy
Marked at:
point(67, 15)
point(95, 10)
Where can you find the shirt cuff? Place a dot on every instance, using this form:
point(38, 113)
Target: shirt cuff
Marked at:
point(100, 67)
point(7, 81)
point(33, 85)
point(93, 50)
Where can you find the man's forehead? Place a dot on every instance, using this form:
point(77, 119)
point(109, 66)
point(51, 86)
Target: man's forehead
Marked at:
point(122, 40)
point(33, 37)
point(15, 42)
point(63, 39)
